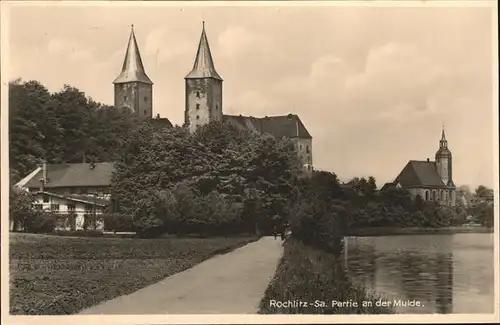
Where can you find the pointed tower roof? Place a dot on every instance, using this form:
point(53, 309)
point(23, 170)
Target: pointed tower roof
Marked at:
point(203, 64)
point(443, 137)
point(132, 69)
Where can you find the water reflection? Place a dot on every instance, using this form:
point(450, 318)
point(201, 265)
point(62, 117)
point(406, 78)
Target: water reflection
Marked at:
point(445, 273)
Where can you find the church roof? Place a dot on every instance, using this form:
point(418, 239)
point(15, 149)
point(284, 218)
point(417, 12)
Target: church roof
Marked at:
point(203, 64)
point(74, 175)
point(419, 173)
point(289, 126)
point(132, 69)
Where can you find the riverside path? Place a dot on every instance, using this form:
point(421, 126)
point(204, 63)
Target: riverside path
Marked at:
point(232, 283)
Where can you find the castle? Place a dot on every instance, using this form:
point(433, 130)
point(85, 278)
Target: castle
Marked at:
point(431, 180)
point(203, 99)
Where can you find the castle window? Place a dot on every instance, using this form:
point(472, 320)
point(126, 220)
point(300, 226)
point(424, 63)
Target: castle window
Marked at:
point(198, 94)
point(300, 147)
point(54, 207)
point(71, 207)
point(197, 106)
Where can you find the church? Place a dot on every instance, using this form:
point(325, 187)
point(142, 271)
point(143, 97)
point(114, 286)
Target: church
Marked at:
point(432, 180)
point(203, 99)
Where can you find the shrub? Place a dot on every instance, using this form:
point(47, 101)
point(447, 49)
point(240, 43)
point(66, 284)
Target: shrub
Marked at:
point(41, 222)
point(319, 225)
point(118, 222)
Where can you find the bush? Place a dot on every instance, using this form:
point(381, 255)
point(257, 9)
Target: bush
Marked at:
point(319, 225)
point(41, 222)
point(307, 275)
point(118, 222)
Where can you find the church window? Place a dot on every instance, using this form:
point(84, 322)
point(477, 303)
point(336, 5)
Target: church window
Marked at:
point(216, 107)
point(71, 207)
point(145, 111)
point(427, 195)
point(197, 106)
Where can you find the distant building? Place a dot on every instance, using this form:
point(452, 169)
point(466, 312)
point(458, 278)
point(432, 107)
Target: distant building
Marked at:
point(81, 189)
point(203, 99)
point(432, 180)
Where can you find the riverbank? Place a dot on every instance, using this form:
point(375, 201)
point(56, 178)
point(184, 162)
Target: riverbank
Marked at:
point(393, 231)
point(309, 281)
point(55, 275)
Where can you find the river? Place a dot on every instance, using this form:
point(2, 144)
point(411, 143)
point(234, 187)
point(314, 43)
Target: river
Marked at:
point(452, 273)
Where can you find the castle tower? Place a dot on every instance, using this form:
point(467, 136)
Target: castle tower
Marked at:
point(133, 88)
point(203, 89)
point(443, 161)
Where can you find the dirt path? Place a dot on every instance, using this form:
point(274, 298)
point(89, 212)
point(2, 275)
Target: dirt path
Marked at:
point(233, 283)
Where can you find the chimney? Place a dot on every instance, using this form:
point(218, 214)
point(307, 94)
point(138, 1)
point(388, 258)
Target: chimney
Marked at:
point(158, 115)
point(43, 178)
point(44, 171)
point(289, 116)
point(428, 159)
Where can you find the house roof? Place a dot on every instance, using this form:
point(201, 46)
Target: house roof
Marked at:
point(161, 121)
point(419, 173)
point(72, 175)
point(79, 198)
point(132, 69)
point(278, 126)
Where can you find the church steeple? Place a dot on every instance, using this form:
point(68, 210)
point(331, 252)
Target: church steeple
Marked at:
point(443, 143)
point(203, 64)
point(133, 88)
point(132, 69)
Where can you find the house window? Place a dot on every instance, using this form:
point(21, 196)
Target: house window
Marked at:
point(45, 198)
point(38, 207)
point(71, 207)
point(427, 195)
point(197, 117)
point(198, 94)
point(307, 149)
point(124, 97)
point(88, 208)
point(197, 106)
point(434, 194)
point(54, 207)
point(145, 99)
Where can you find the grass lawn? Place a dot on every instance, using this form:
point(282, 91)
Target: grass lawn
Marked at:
point(309, 275)
point(53, 275)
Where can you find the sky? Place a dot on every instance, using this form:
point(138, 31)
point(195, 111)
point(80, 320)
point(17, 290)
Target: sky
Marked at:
point(373, 85)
